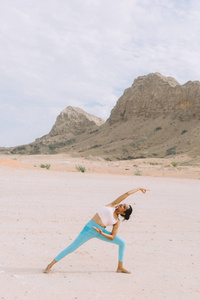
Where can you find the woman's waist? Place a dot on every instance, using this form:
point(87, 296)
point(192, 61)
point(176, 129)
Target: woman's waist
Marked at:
point(97, 220)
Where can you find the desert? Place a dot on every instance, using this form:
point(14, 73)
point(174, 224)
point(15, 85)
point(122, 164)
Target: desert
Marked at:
point(52, 187)
point(43, 210)
point(99, 150)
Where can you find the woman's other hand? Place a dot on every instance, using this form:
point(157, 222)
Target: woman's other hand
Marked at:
point(98, 230)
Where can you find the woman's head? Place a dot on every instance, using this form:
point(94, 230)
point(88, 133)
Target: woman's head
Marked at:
point(125, 211)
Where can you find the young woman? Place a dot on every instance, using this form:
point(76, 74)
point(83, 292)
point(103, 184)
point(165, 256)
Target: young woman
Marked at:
point(95, 228)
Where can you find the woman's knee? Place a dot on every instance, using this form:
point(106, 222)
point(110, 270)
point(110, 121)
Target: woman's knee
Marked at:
point(120, 241)
point(123, 243)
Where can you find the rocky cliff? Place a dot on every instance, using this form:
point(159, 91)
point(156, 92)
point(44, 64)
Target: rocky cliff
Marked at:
point(154, 95)
point(155, 117)
point(72, 122)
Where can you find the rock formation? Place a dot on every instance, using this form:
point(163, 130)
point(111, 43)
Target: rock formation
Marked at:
point(155, 117)
point(71, 123)
point(154, 95)
point(74, 121)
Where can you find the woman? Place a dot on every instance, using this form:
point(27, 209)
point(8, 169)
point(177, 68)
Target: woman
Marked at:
point(107, 215)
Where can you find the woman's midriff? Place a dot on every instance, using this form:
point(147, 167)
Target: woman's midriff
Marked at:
point(98, 220)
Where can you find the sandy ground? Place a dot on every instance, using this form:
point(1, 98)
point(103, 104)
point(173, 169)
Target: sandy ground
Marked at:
point(42, 211)
point(156, 167)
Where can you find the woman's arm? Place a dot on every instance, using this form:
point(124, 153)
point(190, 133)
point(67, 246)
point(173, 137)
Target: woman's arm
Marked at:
point(113, 233)
point(124, 196)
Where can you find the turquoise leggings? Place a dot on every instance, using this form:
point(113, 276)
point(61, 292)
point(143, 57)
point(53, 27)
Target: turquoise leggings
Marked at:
point(88, 233)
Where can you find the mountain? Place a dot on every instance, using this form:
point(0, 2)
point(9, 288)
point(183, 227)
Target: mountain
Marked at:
point(73, 121)
point(70, 124)
point(155, 117)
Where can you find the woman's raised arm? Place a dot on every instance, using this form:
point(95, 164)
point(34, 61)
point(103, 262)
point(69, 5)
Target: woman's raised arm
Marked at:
point(124, 196)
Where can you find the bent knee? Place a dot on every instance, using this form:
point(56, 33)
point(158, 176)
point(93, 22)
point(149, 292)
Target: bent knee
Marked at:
point(122, 242)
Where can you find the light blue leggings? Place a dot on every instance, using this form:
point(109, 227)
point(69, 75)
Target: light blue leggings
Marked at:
point(88, 233)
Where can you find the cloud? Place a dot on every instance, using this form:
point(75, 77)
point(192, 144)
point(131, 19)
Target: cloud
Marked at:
point(85, 53)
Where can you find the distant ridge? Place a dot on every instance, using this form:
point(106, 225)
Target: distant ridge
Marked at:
point(155, 117)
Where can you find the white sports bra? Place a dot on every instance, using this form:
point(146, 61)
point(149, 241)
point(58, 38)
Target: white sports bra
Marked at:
point(106, 215)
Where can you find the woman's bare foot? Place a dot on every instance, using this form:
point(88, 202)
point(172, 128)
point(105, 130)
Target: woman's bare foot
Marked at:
point(123, 271)
point(120, 268)
point(47, 270)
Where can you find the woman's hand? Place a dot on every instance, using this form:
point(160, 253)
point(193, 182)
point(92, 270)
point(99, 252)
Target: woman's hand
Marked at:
point(106, 235)
point(98, 230)
point(143, 190)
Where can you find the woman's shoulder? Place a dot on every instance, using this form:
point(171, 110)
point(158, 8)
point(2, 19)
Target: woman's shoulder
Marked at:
point(110, 205)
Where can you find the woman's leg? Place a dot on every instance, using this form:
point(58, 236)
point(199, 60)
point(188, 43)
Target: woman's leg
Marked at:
point(86, 234)
point(122, 245)
point(82, 238)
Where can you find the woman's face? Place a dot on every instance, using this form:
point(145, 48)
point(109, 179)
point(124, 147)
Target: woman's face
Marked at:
point(122, 208)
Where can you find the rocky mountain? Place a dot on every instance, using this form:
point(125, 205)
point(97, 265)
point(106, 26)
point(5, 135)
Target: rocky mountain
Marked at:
point(70, 124)
point(155, 117)
point(74, 121)
point(154, 95)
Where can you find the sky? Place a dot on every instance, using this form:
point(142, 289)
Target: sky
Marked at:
point(85, 53)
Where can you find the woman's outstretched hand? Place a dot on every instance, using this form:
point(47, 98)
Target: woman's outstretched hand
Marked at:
point(143, 190)
point(98, 230)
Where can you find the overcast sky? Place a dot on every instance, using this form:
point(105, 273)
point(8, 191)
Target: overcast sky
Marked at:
point(84, 53)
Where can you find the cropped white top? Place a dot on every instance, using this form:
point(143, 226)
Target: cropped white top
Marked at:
point(106, 215)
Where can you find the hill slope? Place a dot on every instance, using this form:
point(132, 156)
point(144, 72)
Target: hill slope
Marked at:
point(155, 117)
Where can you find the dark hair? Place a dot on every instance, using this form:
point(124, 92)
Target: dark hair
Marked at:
point(127, 213)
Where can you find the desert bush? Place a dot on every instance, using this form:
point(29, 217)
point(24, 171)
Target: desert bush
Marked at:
point(171, 151)
point(184, 131)
point(175, 164)
point(47, 166)
point(81, 169)
point(157, 129)
point(138, 173)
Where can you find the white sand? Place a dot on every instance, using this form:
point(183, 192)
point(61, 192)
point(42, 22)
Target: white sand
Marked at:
point(42, 211)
